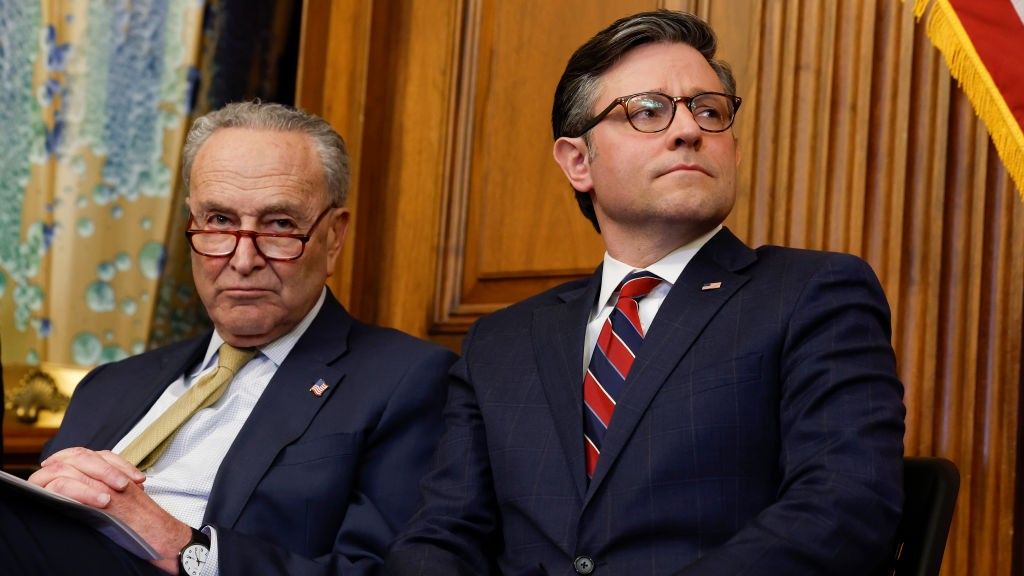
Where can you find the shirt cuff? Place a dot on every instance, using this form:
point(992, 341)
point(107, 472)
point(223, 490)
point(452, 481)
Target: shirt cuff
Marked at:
point(210, 568)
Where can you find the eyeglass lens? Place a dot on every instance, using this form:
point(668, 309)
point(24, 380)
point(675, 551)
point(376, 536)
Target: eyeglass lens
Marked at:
point(653, 112)
point(222, 244)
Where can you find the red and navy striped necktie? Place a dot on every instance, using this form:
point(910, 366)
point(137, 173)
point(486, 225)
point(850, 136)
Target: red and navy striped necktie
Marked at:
point(617, 345)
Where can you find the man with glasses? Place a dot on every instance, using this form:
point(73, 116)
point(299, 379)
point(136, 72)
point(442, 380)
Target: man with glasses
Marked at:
point(292, 438)
point(695, 407)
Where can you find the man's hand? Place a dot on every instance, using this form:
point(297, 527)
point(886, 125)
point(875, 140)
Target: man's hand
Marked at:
point(105, 480)
point(89, 477)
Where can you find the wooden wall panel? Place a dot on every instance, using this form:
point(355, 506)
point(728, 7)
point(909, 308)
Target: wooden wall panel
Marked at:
point(512, 223)
point(389, 86)
point(881, 155)
point(518, 199)
point(854, 138)
point(409, 139)
point(332, 82)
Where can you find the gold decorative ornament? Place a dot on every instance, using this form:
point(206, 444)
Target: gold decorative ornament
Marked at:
point(36, 391)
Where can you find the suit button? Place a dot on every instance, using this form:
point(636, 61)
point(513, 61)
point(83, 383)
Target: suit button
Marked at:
point(584, 565)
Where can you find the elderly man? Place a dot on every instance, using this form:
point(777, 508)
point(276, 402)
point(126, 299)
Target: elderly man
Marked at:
point(291, 439)
point(695, 407)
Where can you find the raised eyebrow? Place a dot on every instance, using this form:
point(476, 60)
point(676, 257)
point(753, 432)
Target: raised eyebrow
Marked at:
point(214, 208)
point(274, 212)
point(702, 92)
point(690, 95)
point(649, 92)
point(281, 212)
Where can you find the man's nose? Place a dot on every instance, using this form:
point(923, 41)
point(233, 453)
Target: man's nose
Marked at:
point(684, 130)
point(246, 256)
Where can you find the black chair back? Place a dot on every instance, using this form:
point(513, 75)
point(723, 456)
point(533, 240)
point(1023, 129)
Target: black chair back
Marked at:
point(930, 488)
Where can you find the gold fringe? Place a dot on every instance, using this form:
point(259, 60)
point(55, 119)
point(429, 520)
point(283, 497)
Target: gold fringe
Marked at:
point(919, 8)
point(948, 35)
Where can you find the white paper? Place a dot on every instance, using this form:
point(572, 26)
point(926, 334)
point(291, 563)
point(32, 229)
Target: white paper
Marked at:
point(95, 518)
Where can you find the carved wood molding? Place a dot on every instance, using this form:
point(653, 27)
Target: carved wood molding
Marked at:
point(492, 254)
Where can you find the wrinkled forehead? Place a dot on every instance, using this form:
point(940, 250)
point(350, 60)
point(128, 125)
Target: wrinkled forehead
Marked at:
point(253, 150)
point(272, 165)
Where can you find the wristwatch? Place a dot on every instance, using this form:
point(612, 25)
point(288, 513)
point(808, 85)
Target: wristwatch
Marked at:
point(193, 555)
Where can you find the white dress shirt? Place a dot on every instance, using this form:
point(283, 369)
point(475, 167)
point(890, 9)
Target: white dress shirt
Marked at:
point(613, 272)
point(181, 480)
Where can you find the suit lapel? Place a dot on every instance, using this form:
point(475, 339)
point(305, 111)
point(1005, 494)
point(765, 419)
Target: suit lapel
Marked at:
point(282, 413)
point(558, 336)
point(143, 391)
point(681, 318)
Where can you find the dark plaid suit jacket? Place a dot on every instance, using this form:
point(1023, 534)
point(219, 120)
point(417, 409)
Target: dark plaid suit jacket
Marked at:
point(760, 432)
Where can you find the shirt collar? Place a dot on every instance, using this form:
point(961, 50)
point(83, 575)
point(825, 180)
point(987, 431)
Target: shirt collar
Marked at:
point(275, 351)
point(668, 268)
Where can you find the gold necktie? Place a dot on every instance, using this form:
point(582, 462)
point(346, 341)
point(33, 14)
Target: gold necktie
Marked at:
point(144, 451)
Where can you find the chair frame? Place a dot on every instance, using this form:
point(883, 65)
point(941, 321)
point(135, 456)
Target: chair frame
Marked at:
point(930, 490)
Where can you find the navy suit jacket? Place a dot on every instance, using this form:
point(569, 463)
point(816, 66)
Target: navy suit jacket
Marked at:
point(760, 432)
point(311, 485)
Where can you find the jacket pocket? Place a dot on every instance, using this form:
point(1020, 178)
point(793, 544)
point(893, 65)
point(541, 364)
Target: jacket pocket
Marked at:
point(329, 446)
point(729, 373)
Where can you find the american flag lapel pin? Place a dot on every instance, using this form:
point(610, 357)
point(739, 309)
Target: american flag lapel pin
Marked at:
point(319, 388)
point(710, 286)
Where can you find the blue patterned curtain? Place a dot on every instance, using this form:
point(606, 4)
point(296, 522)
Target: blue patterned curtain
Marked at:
point(250, 50)
point(97, 96)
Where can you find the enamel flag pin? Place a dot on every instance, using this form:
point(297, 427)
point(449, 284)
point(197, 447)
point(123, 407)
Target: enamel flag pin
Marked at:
point(319, 388)
point(711, 286)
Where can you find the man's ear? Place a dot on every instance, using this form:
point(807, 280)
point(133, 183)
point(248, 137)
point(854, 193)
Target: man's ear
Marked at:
point(574, 160)
point(336, 237)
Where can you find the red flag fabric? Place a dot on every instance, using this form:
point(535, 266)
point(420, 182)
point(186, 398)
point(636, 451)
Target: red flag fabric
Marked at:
point(983, 44)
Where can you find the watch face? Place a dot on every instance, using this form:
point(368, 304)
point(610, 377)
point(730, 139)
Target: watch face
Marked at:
point(193, 557)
